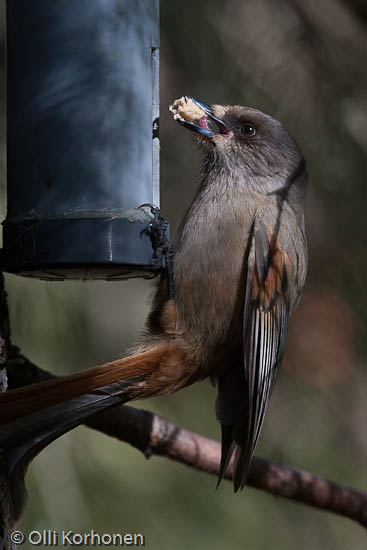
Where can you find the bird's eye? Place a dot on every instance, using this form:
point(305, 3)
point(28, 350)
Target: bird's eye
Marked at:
point(248, 129)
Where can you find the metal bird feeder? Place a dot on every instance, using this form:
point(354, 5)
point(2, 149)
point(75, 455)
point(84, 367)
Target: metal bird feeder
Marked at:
point(83, 148)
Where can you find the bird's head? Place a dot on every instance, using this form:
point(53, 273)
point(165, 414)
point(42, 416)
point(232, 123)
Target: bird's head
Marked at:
point(248, 143)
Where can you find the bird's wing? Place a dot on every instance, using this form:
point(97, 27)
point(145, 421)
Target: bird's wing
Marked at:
point(265, 320)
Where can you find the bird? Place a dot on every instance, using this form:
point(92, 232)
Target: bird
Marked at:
point(239, 265)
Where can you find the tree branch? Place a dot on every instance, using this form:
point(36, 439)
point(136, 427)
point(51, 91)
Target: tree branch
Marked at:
point(154, 435)
point(5, 351)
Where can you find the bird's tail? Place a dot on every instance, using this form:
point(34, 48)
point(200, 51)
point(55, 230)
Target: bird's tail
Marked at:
point(34, 416)
point(18, 403)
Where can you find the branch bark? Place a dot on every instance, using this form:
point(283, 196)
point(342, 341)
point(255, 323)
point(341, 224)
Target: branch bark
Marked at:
point(5, 501)
point(154, 435)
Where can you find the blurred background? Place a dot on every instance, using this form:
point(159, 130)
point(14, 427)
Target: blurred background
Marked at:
point(303, 63)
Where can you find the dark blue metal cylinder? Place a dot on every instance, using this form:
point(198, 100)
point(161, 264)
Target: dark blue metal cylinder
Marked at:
point(83, 149)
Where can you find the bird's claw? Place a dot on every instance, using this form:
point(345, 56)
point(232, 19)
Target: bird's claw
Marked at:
point(154, 210)
point(156, 230)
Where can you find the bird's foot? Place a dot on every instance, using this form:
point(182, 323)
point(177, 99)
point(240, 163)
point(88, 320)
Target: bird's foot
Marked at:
point(156, 230)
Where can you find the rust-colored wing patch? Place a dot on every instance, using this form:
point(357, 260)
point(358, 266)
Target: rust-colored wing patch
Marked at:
point(265, 321)
point(270, 278)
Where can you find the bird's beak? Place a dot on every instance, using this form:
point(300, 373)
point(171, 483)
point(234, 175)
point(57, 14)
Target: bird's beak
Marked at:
point(201, 126)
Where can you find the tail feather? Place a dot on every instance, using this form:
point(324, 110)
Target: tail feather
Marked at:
point(34, 416)
point(24, 401)
point(24, 438)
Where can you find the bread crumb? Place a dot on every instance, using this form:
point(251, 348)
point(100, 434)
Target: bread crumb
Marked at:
point(185, 109)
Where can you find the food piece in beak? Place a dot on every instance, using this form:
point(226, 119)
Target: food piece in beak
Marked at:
point(186, 109)
point(194, 115)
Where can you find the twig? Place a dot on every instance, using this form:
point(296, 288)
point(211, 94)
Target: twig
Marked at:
point(4, 335)
point(5, 345)
point(154, 435)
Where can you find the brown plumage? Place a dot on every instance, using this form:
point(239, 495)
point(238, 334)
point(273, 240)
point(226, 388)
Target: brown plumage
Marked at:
point(240, 260)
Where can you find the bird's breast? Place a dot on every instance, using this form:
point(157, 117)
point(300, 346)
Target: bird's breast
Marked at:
point(208, 267)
